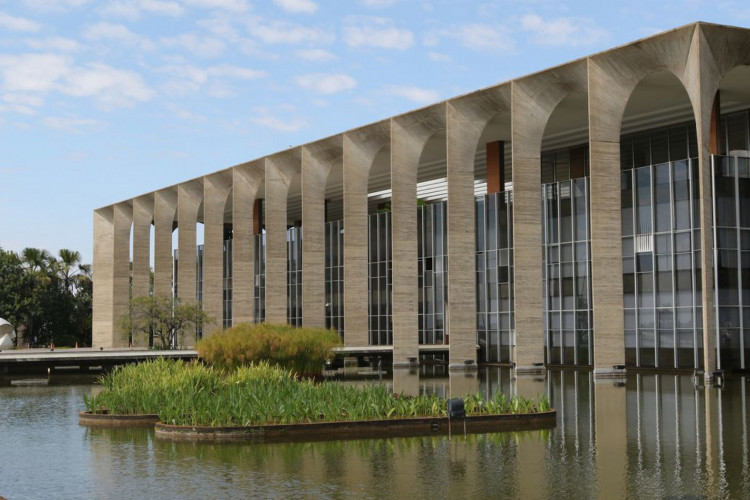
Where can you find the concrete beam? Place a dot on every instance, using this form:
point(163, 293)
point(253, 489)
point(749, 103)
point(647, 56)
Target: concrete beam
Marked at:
point(216, 190)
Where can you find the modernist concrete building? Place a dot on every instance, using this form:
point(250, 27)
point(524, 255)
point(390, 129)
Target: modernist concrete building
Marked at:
point(595, 214)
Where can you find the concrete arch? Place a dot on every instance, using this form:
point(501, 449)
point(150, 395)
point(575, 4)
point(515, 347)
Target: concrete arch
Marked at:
point(247, 181)
point(189, 204)
point(534, 99)
point(318, 160)
point(360, 148)
point(281, 170)
point(467, 118)
point(409, 135)
point(165, 211)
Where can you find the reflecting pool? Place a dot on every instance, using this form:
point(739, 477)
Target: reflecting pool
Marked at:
point(649, 436)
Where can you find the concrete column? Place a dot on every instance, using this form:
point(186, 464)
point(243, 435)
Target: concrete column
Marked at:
point(280, 171)
point(165, 205)
point(409, 134)
point(189, 198)
point(317, 161)
point(112, 267)
point(143, 214)
point(359, 149)
point(216, 189)
point(466, 119)
point(247, 179)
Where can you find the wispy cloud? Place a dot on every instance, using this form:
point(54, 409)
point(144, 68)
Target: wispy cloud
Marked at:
point(56, 44)
point(416, 94)
point(117, 33)
point(18, 23)
point(267, 119)
point(134, 9)
point(377, 4)
point(379, 32)
point(194, 44)
point(297, 6)
point(188, 79)
point(326, 83)
point(481, 37)
point(282, 32)
point(315, 55)
point(563, 31)
point(70, 125)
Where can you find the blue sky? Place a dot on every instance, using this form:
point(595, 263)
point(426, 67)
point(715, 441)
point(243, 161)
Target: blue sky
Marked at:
point(103, 100)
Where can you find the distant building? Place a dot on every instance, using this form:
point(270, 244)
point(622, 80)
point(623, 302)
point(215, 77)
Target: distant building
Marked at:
point(594, 214)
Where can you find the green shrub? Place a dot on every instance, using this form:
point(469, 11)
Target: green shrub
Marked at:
point(301, 350)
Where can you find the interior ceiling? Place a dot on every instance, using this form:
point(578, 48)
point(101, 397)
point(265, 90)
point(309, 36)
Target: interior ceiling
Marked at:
point(659, 99)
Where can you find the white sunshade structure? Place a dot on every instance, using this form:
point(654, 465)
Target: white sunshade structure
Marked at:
point(7, 334)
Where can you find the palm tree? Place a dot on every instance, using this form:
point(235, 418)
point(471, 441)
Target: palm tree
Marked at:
point(69, 269)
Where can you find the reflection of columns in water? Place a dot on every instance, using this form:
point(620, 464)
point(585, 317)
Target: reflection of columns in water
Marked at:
point(406, 381)
point(463, 383)
point(610, 435)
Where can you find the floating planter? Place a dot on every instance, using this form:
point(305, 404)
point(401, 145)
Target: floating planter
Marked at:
point(358, 429)
point(116, 420)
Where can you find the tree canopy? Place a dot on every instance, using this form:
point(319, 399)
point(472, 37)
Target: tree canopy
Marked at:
point(164, 317)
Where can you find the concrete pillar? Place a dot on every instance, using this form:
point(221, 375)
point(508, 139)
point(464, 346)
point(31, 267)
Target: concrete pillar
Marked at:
point(466, 119)
point(112, 267)
point(317, 161)
point(534, 99)
point(189, 198)
point(280, 171)
point(409, 135)
point(216, 189)
point(165, 205)
point(359, 149)
point(143, 214)
point(247, 179)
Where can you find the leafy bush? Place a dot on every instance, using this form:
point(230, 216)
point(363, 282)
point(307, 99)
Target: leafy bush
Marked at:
point(301, 350)
point(196, 394)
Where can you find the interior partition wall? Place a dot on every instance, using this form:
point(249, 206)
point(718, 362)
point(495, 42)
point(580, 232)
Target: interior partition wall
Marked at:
point(567, 271)
point(494, 268)
point(334, 276)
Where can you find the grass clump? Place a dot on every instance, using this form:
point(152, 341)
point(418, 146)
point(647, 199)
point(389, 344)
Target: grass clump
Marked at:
point(301, 350)
point(260, 393)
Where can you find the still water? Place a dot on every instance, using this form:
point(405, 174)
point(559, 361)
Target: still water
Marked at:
point(654, 436)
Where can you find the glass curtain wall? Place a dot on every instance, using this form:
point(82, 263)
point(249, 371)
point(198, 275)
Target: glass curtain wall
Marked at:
point(660, 248)
point(227, 284)
point(380, 279)
point(335, 277)
point(494, 247)
point(259, 278)
point(566, 241)
point(432, 272)
point(294, 275)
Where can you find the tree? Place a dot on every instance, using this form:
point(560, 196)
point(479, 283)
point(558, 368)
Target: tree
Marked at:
point(164, 317)
point(15, 289)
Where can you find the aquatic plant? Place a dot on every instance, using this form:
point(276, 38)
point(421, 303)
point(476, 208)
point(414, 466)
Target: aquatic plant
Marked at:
point(261, 393)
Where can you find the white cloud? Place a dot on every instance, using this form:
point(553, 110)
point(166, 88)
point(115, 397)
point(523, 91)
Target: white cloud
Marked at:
point(24, 104)
point(380, 32)
point(483, 37)
point(377, 4)
point(32, 72)
point(267, 120)
point(188, 79)
point(238, 72)
point(117, 33)
point(18, 23)
point(284, 32)
point(133, 9)
point(54, 5)
point(438, 57)
point(563, 31)
point(417, 94)
point(326, 83)
point(229, 5)
point(71, 125)
point(297, 6)
point(200, 46)
point(58, 44)
point(315, 55)
point(111, 87)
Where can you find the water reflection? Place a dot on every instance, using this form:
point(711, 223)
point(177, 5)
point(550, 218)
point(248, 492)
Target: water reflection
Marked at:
point(649, 436)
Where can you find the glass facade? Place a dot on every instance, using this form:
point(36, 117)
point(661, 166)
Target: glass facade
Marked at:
point(731, 190)
point(567, 270)
point(335, 276)
point(259, 278)
point(494, 257)
point(380, 279)
point(227, 284)
point(432, 272)
point(294, 275)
